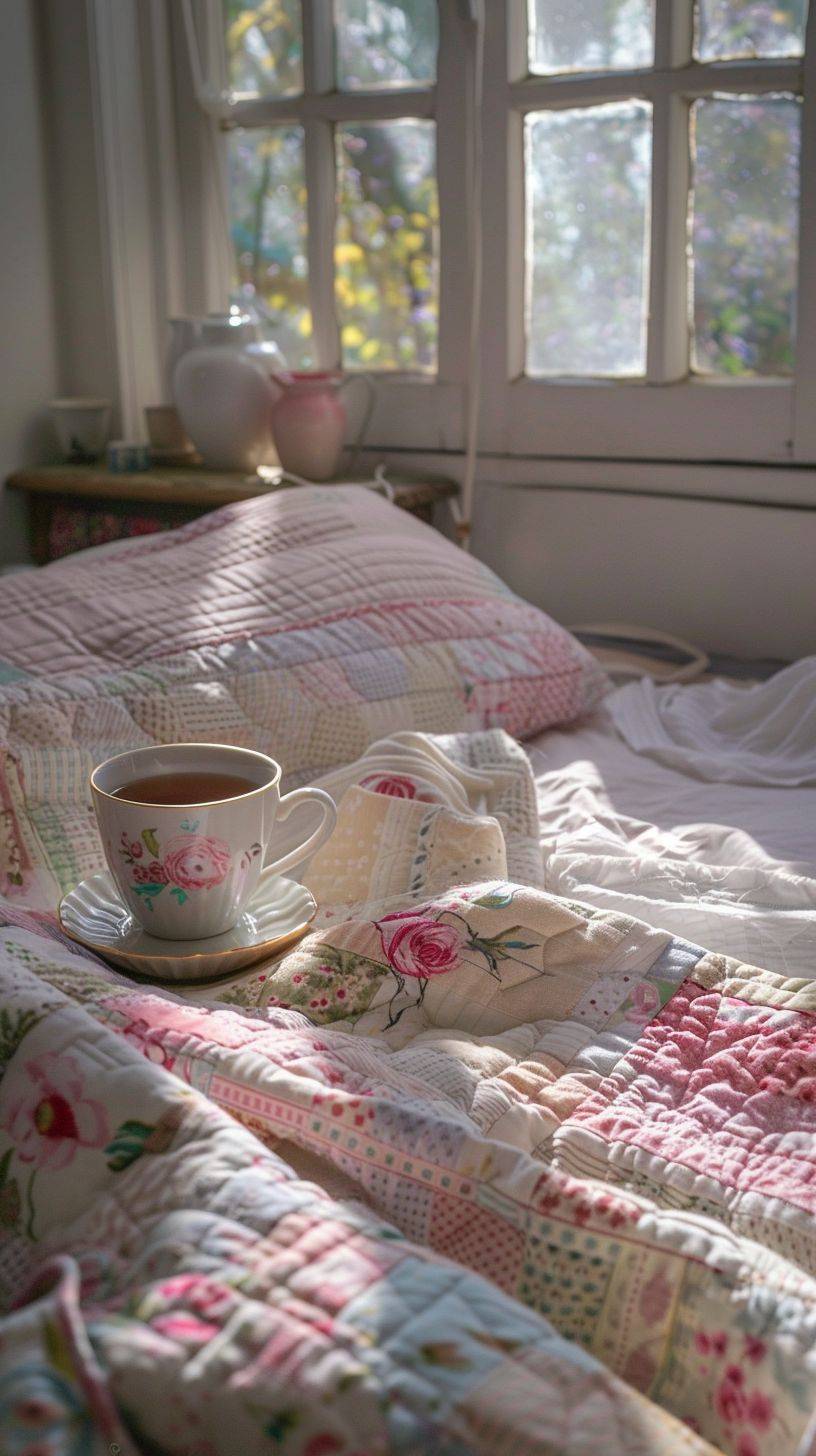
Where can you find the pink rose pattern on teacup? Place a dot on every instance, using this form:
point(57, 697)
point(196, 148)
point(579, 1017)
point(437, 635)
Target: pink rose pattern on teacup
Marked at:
point(189, 862)
point(196, 861)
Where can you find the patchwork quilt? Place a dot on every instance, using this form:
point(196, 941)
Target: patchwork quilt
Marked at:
point(473, 1168)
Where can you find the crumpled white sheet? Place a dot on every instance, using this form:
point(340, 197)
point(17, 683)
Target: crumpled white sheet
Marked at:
point(728, 866)
point(720, 731)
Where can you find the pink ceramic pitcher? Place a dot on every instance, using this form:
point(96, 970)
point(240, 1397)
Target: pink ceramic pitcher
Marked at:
point(309, 421)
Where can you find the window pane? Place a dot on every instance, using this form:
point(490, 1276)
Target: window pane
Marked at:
point(746, 194)
point(268, 214)
point(589, 35)
point(731, 28)
point(587, 175)
point(386, 245)
point(383, 44)
point(264, 47)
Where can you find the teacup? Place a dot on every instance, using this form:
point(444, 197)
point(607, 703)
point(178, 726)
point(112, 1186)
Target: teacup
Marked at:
point(186, 871)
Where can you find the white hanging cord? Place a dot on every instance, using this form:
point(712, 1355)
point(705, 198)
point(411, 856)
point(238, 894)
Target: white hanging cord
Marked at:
point(463, 508)
point(275, 476)
point(382, 483)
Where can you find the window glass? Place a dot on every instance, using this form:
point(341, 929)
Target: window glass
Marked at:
point(588, 175)
point(384, 44)
point(730, 29)
point(744, 233)
point(268, 216)
point(264, 47)
point(589, 35)
point(387, 245)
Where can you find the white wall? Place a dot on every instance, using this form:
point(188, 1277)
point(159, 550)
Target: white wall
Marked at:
point(28, 357)
point(86, 352)
point(733, 578)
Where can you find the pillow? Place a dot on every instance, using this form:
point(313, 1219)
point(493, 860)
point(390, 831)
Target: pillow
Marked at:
point(305, 623)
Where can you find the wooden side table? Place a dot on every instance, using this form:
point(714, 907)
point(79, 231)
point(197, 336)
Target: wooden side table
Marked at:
point(74, 506)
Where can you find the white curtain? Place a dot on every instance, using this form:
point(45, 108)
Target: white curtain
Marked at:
point(161, 181)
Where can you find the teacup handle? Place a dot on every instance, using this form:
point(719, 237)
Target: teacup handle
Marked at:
point(289, 802)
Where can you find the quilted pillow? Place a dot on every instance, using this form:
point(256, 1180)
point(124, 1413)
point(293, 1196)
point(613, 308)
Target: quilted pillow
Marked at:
point(305, 623)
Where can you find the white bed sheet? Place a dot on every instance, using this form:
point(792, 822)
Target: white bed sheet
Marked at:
point(728, 866)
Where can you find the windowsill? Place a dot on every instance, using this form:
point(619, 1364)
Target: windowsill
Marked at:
point(786, 485)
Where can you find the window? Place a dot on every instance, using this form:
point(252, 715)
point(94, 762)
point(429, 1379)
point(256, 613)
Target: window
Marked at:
point(657, 183)
point(344, 208)
point(333, 178)
point(587, 176)
point(648, 219)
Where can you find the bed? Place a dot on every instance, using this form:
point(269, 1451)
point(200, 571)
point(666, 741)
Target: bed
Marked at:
point(730, 865)
point(513, 1152)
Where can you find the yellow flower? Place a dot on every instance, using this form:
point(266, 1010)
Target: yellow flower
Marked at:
point(348, 253)
point(413, 241)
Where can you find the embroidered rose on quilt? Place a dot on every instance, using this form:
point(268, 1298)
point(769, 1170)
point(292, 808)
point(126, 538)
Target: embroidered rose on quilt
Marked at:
point(340, 973)
point(432, 940)
point(189, 862)
point(395, 786)
point(415, 945)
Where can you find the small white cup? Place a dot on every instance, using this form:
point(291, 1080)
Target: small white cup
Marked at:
point(186, 871)
point(82, 426)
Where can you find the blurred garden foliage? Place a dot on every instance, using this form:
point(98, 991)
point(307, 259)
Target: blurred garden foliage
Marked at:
point(587, 189)
point(734, 29)
point(744, 234)
point(386, 241)
point(588, 173)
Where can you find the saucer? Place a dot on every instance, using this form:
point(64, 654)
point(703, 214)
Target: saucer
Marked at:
point(94, 914)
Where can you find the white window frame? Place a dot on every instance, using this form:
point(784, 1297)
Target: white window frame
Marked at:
point(412, 410)
point(154, 153)
point(669, 415)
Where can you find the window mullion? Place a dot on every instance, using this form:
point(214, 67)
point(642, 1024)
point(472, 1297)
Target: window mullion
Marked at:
point(674, 33)
point(333, 106)
point(694, 78)
point(667, 357)
point(804, 412)
point(318, 79)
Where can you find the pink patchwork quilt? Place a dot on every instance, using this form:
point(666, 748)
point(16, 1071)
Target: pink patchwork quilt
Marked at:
point(471, 1169)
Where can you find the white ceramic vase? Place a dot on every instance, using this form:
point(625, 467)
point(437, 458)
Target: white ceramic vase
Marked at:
point(224, 398)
